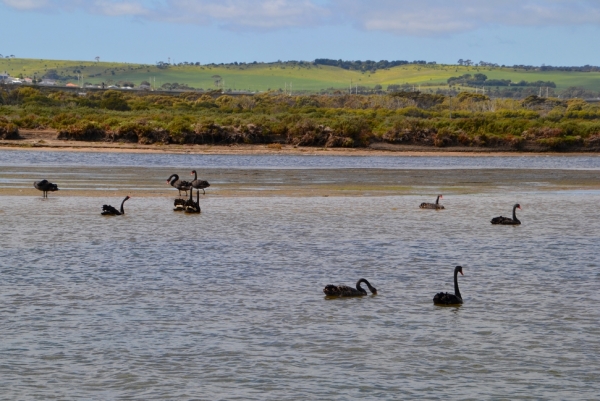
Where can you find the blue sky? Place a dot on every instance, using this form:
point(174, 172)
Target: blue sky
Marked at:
point(552, 32)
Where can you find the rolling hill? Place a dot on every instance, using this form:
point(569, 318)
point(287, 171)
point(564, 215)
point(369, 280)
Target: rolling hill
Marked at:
point(273, 76)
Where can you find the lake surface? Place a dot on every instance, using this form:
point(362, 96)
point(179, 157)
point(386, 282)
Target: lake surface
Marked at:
point(89, 159)
point(158, 305)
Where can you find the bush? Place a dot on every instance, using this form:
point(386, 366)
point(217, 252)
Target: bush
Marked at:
point(85, 131)
point(338, 120)
point(8, 130)
point(113, 100)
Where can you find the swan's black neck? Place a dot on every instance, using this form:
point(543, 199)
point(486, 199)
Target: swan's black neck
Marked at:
point(437, 201)
point(195, 175)
point(515, 212)
point(173, 178)
point(371, 288)
point(456, 290)
point(122, 203)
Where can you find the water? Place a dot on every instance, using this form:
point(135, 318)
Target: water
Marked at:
point(46, 158)
point(158, 305)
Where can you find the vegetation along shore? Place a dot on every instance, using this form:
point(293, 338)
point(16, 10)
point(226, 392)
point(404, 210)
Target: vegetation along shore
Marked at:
point(399, 118)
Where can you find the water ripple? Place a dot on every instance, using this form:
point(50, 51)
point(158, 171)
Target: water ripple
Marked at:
point(157, 305)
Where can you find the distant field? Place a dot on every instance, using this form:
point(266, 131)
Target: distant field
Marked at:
point(262, 76)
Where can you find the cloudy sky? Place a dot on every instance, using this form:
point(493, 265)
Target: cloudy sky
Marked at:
point(552, 32)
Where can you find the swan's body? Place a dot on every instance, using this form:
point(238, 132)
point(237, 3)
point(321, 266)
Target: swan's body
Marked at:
point(445, 298)
point(179, 205)
point(199, 184)
point(175, 182)
point(435, 206)
point(108, 210)
point(507, 220)
point(345, 291)
point(45, 186)
point(190, 206)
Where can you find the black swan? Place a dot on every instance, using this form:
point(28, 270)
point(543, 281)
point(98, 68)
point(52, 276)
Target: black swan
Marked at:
point(508, 221)
point(435, 205)
point(345, 291)
point(108, 210)
point(190, 206)
point(179, 205)
point(199, 184)
point(177, 183)
point(444, 298)
point(45, 186)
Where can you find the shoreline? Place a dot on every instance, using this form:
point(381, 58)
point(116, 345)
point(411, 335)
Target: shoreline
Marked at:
point(46, 141)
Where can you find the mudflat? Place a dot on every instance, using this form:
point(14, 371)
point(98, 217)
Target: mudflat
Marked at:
point(151, 182)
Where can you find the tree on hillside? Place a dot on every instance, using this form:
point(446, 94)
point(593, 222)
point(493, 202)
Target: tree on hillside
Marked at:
point(51, 74)
point(97, 58)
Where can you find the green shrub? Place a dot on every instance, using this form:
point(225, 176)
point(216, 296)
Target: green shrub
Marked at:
point(113, 100)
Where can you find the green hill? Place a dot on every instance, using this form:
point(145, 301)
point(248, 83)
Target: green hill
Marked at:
point(273, 76)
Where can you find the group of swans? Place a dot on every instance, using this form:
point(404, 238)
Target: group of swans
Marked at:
point(185, 186)
point(507, 221)
point(188, 206)
point(441, 298)
point(107, 210)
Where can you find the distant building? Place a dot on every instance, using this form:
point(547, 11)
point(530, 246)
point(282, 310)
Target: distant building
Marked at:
point(71, 85)
point(48, 82)
point(4, 77)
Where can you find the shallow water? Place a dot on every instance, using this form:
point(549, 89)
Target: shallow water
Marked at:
point(90, 159)
point(159, 305)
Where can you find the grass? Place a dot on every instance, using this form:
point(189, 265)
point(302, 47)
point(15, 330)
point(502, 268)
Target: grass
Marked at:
point(274, 76)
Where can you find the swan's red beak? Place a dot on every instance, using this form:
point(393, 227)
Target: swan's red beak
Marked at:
point(461, 273)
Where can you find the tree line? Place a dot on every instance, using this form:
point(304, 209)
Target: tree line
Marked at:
point(482, 80)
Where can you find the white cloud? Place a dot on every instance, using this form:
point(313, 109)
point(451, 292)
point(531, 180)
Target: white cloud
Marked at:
point(112, 8)
point(26, 4)
point(437, 17)
point(404, 17)
point(240, 14)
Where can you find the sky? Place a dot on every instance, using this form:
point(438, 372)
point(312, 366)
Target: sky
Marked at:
point(532, 32)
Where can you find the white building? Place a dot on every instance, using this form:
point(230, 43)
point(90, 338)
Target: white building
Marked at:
point(48, 82)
